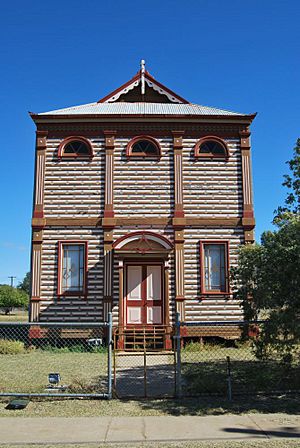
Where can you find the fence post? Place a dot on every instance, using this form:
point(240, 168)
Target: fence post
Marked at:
point(109, 359)
point(229, 390)
point(178, 356)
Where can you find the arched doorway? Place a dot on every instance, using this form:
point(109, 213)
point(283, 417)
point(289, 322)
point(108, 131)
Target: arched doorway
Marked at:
point(143, 279)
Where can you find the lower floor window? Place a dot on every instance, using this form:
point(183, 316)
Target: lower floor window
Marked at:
point(215, 267)
point(73, 267)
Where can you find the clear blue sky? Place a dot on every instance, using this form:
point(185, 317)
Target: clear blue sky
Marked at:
point(238, 55)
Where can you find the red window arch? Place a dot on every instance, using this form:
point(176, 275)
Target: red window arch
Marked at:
point(211, 147)
point(143, 146)
point(75, 147)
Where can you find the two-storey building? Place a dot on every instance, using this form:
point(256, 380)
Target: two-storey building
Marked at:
point(141, 201)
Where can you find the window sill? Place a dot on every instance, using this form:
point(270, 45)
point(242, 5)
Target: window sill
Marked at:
point(143, 156)
point(211, 156)
point(215, 293)
point(75, 156)
point(73, 294)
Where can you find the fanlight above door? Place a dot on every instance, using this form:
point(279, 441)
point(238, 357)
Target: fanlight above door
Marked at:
point(143, 243)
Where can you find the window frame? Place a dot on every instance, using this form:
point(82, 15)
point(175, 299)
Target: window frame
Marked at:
point(84, 291)
point(204, 243)
point(210, 155)
point(62, 155)
point(138, 138)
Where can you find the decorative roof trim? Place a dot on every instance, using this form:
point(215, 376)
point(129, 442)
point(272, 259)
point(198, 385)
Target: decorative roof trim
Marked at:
point(162, 91)
point(152, 83)
point(126, 89)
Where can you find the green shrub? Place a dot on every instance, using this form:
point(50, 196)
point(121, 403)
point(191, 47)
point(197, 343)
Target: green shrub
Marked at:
point(201, 347)
point(11, 347)
point(73, 348)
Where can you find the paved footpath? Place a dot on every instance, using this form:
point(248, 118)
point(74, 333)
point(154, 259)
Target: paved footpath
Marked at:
point(14, 430)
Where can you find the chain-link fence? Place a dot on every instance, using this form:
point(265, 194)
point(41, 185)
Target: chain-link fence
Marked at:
point(56, 359)
point(219, 358)
point(199, 358)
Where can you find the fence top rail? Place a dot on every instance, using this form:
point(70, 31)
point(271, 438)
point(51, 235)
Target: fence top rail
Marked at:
point(222, 323)
point(55, 324)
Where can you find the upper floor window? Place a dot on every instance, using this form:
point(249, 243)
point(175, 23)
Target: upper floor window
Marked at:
point(143, 146)
point(78, 147)
point(211, 147)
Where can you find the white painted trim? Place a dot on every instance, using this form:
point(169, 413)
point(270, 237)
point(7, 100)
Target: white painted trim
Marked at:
point(151, 84)
point(158, 89)
point(122, 92)
point(129, 239)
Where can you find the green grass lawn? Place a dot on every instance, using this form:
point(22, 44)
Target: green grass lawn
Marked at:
point(205, 370)
point(85, 372)
point(28, 372)
point(288, 404)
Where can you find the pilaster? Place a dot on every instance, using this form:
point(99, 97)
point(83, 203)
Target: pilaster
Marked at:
point(109, 173)
point(40, 157)
point(178, 193)
point(179, 271)
point(108, 272)
point(36, 261)
point(248, 214)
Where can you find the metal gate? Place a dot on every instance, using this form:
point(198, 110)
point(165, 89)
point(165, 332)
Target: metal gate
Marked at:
point(145, 363)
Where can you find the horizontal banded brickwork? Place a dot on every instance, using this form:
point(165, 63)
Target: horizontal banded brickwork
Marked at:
point(72, 308)
point(212, 188)
point(212, 307)
point(74, 188)
point(168, 233)
point(143, 187)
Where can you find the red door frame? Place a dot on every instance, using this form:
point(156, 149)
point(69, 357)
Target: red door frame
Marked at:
point(145, 302)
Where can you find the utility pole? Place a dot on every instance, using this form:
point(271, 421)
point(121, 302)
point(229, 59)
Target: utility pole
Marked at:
point(11, 280)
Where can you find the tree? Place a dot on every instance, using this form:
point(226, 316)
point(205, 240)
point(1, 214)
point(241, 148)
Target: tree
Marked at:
point(267, 278)
point(24, 285)
point(292, 182)
point(12, 298)
point(267, 281)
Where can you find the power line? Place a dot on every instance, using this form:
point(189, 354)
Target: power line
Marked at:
point(11, 280)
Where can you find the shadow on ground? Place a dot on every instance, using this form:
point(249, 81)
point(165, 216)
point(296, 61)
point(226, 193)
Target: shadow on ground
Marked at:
point(218, 406)
point(284, 432)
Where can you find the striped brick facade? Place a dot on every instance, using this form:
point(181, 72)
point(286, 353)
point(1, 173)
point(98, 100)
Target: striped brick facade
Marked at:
point(109, 196)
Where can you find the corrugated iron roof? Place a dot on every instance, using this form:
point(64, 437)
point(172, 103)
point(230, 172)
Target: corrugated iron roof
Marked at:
point(122, 108)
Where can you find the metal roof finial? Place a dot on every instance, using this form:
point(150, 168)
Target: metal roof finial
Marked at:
point(143, 76)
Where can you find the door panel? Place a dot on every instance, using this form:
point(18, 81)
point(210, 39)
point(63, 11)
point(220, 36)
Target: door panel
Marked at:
point(134, 315)
point(144, 304)
point(134, 283)
point(154, 315)
point(153, 282)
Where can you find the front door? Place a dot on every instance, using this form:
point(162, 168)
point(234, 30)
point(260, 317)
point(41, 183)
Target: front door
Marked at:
point(143, 294)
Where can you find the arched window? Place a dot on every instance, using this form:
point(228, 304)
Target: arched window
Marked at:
point(78, 147)
point(143, 146)
point(211, 147)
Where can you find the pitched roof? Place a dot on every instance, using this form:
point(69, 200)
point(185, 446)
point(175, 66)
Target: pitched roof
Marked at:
point(140, 108)
point(141, 96)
